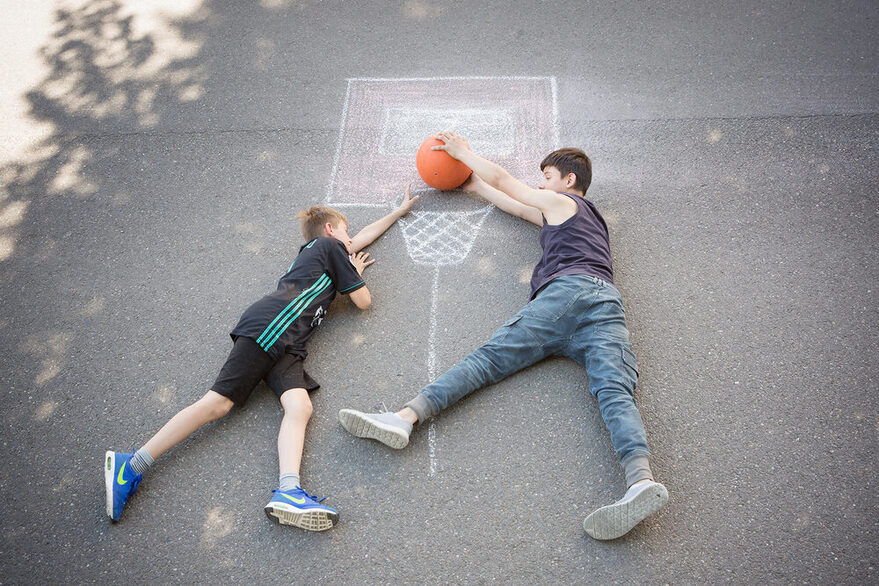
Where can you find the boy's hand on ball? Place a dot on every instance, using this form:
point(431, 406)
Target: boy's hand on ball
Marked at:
point(359, 261)
point(455, 144)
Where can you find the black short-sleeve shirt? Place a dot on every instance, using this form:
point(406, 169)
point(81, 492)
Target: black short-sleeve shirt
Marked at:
point(283, 321)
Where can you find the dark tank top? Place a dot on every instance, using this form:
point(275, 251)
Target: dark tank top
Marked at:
point(578, 246)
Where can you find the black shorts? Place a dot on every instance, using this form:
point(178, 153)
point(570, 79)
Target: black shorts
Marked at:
point(248, 364)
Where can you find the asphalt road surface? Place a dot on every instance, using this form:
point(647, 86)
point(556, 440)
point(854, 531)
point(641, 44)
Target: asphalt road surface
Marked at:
point(734, 151)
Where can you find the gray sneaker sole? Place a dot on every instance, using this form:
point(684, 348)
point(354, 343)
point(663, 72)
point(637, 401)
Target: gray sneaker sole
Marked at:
point(309, 520)
point(360, 425)
point(616, 520)
point(109, 466)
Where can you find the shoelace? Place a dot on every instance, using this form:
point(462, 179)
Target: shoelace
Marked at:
point(311, 496)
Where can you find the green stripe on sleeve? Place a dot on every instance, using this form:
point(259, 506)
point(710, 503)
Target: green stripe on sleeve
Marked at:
point(351, 287)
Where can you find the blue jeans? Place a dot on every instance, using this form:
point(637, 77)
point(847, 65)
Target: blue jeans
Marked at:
point(575, 316)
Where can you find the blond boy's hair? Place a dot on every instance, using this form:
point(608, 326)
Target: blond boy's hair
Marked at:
point(314, 218)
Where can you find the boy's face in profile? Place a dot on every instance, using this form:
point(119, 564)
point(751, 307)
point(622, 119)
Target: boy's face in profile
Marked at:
point(340, 233)
point(553, 180)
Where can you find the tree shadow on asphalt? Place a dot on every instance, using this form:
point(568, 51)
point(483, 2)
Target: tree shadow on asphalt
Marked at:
point(77, 213)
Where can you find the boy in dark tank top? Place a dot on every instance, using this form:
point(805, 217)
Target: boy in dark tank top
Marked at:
point(574, 311)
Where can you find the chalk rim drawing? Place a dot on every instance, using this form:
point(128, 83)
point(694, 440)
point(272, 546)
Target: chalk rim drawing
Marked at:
point(416, 239)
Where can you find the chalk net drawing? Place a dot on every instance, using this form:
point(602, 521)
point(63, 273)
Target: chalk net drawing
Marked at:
point(441, 238)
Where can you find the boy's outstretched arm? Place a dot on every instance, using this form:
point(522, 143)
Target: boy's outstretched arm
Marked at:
point(502, 201)
point(554, 207)
point(367, 235)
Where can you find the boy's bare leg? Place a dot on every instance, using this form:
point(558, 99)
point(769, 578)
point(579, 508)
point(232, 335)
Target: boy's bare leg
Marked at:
point(210, 407)
point(123, 473)
point(291, 436)
point(291, 505)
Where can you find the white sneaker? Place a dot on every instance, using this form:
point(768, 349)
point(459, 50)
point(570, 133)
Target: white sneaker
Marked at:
point(388, 428)
point(641, 500)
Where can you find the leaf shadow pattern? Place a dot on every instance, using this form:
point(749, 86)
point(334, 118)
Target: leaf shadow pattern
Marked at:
point(107, 78)
point(68, 208)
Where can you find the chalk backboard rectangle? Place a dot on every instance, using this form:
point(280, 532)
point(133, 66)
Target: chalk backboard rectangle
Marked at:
point(509, 120)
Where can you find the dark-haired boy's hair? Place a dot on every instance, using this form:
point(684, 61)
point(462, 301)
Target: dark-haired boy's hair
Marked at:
point(316, 217)
point(571, 160)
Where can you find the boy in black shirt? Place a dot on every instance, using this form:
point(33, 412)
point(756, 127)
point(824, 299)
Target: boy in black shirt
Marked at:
point(269, 344)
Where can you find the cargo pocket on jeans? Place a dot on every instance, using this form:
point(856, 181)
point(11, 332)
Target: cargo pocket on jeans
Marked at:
point(629, 360)
point(512, 320)
point(502, 332)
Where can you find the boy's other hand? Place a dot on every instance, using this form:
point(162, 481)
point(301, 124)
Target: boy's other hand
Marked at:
point(407, 202)
point(360, 262)
point(455, 144)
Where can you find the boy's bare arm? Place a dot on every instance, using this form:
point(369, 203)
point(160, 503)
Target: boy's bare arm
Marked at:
point(503, 201)
point(368, 235)
point(361, 298)
point(554, 207)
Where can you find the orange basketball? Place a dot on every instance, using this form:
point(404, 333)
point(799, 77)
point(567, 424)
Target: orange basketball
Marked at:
point(438, 169)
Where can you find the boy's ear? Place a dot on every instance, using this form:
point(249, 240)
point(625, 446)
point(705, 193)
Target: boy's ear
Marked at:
point(329, 229)
point(570, 180)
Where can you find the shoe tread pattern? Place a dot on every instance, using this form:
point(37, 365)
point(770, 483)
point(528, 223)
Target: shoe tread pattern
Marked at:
point(616, 520)
point(309, 520)
point(361, 426)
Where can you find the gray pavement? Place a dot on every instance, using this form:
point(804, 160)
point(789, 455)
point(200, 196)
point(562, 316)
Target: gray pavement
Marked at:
point(734, 156)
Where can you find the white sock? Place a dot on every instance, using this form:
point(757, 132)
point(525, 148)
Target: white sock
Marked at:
point(141, 461)
point(288, 481)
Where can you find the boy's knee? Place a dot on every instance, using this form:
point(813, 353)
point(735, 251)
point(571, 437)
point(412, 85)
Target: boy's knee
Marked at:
point(215, 405)
point(297, 403)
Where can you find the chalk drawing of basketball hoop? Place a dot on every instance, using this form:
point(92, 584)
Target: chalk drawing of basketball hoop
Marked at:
point(511, 120)
point(440, 239)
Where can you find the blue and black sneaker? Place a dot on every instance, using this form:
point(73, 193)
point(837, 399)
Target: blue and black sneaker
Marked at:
point(300, 509)
point(120, 482)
